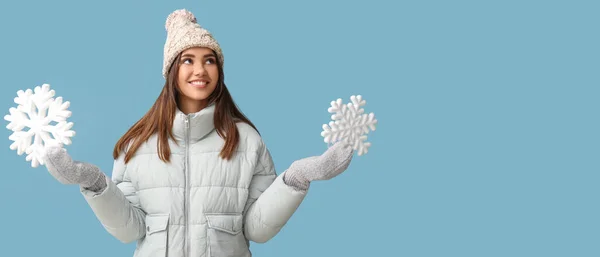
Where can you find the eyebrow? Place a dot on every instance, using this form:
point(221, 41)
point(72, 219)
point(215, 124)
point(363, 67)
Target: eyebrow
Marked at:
point(193, 56)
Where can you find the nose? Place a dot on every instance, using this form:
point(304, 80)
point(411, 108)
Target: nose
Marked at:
point(199, 69)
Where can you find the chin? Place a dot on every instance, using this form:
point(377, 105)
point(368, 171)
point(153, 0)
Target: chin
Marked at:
point(199, 98)
point(197, 95)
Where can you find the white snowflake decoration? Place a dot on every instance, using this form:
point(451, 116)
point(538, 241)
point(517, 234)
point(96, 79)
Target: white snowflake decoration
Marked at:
point(37, 110)
point(350, 124)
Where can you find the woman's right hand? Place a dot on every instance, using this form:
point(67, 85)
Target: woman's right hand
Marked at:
point(69, 172)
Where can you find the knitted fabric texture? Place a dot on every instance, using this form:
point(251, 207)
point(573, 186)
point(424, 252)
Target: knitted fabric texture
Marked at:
point(333, 162)
point(68, 172)
point(183, 32)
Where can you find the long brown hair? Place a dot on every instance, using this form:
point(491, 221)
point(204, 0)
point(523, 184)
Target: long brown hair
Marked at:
point(159, 119)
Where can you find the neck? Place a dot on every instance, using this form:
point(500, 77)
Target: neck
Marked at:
point(188, 106)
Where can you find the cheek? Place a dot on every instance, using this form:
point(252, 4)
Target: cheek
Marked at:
point(184, 73)
point(214, 73)
point(181, 73)
point(182, 78)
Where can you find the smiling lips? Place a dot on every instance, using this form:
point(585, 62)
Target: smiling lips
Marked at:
point(198, 83)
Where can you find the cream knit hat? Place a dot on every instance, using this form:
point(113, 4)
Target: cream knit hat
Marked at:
point(184, 32)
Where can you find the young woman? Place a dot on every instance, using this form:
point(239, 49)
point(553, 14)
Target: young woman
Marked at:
point(193, 177)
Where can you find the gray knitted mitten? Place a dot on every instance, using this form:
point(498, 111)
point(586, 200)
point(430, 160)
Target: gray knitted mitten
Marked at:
point(66, 171)
point(334, 161)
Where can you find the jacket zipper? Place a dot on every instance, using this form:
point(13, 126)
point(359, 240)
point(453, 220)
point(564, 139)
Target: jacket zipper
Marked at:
point(187, 179)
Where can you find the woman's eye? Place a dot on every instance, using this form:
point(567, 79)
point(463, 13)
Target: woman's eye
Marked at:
point(187, 61)
point(210, 61)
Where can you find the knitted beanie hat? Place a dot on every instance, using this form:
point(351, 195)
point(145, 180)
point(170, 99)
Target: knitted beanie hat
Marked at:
point(184, 32)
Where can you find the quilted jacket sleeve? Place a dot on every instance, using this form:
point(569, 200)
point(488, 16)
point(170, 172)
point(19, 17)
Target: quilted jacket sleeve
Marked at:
point(117, 207)
point(271, 202)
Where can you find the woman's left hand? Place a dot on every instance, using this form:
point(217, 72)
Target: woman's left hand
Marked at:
point(331, 163)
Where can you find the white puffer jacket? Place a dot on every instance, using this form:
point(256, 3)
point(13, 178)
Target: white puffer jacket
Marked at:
point(198, 204)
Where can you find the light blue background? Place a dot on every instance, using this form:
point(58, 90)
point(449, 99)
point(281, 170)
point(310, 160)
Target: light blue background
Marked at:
point(488, 134)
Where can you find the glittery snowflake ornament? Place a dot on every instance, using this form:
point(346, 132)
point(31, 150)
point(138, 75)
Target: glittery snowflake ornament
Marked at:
point(44, 115)
point(350, 124)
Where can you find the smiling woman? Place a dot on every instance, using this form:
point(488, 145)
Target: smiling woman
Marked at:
point(197, 79)
point(193, 176)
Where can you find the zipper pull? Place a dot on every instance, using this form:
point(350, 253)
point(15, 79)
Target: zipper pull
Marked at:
point(187, 122)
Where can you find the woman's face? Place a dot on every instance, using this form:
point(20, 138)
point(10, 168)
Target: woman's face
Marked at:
point(197, 78)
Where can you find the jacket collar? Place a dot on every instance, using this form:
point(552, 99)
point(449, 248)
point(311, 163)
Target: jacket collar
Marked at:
point(200, 124)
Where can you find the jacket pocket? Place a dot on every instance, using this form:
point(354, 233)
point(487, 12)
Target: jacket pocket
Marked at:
point(225, 236)
point(154, 244)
